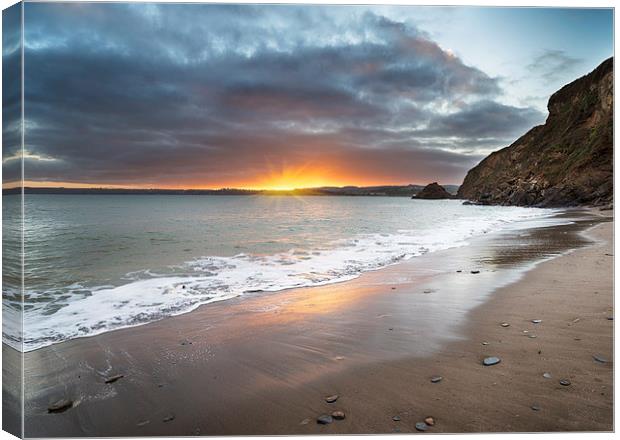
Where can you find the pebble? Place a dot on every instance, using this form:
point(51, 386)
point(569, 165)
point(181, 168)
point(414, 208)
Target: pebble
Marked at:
point(531, 336)
point(535, 407)
point(505, 324)
point(547, 375)
point(430, 421)
point(600, 358)
point(421, 426)
point(459, 271)
point(332, 399)
point(396, 418)
point(436, 379)
point(324, 419)
point(338, 415)
point(610, 318)
point(114, 378)
point(485, 343)
point(475, 271)
point(339, 358)
point(428, 291)
point(536, 321)
point(304, 422)
point(491, 361)
point(565, 382)
point(60, 406)
point(169, 418)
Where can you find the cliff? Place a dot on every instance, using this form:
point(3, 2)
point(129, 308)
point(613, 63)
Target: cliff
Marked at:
point(568, 161)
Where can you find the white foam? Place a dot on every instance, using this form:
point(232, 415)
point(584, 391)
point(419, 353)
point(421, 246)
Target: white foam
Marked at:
point(213, 278)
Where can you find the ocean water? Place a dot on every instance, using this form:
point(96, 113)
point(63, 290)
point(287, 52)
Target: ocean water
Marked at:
point(94, 263)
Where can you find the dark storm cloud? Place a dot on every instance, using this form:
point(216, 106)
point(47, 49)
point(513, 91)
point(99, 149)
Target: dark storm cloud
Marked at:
point(174, 94)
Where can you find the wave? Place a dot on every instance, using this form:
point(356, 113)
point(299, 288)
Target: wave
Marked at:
point(146, 296)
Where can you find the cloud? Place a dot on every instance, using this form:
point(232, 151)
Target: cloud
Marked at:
point(179, 94)
point(552, 64)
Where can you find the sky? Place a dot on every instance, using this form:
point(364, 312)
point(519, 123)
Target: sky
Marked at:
point(284, 96)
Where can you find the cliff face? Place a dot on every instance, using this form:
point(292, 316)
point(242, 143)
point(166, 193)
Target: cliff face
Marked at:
point(433, 191)
point(568, 161)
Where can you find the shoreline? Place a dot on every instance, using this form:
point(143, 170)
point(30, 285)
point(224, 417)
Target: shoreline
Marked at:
point(266, 368)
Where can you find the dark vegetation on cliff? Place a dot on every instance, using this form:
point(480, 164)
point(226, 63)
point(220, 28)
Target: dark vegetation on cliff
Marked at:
point(568, 161)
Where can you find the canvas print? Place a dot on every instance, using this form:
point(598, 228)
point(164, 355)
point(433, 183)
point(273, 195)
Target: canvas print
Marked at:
point(271, 219)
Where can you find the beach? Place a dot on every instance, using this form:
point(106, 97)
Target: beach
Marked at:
point(264, 363)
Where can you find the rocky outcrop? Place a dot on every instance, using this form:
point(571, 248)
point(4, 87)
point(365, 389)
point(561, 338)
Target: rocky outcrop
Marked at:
point(433, 191)
point(568, 161)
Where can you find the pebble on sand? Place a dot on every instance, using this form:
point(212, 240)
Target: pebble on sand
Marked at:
point(547, 375)
point(535, 407)
point(493, 360)
point(332, 398)
point(60, 406)
point(536, 321)
point(505, 324)
point(565, 382)
point(600, 358)
point(475, 271)
point(396, 418)
point(421, 426)
point(436, 379)
point(338, 415)
point(430, 421)
point(485, 343)
point(324, 419)
point(169, 418)
point(114, 378)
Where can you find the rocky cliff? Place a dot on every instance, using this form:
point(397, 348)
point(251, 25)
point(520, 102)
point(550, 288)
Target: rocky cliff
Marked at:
point(433, 191)
point(568, 161)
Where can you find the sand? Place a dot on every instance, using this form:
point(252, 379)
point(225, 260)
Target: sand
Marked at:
point(263, 365)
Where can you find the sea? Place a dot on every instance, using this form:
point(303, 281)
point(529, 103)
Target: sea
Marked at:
point(96, 263)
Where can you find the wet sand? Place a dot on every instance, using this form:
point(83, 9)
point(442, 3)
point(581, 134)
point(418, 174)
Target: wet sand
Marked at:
point(263, 365)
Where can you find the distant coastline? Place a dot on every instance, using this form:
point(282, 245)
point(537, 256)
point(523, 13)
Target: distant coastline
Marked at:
point(377, 191)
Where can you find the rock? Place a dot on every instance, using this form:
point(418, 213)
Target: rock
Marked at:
point(396, 418)
point(505, 324)
point(600, 358)
point(547, 375)
point(535, 407)
point(475, 271)
point(60, 406)
point(421, 426)
point(433, 191)
point(338, 415)
point(324, 419)
point(567, 161)
point(610, 318)
point(332, 398)
point(430, 421)
point(304, 422)
point(491, 361)
point(436, 379)
point(169, 418)
point(114, 378)
point(565, 382)
point(536, 321)
point(531, 336)
point(485, 343)
point(459, 271)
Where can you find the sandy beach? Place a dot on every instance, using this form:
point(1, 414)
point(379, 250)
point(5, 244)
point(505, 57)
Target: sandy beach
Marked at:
point(264, 364)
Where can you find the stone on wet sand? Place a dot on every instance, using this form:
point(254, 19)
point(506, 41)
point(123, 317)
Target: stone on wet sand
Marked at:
point(338, 415)
point(304, 422)
point(324, 419)
point(430, 421)
point(436, 379)
point(169, 418)
point(114, 378)
point(332, 398)
point(60, 406)
point(600, 358)
point(421, 426)
point(536, 321)
point(505, 324)
point(485, 343)
point(535, 407)
point(396, 418)
point(565, 382)
point(547, 375)
point(475, 271)
point(492, 360)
